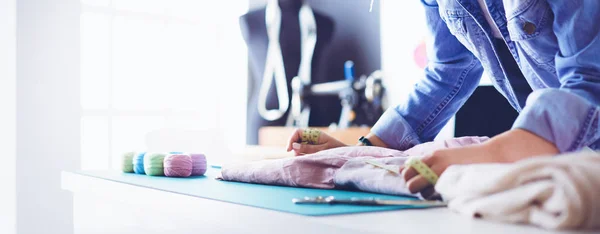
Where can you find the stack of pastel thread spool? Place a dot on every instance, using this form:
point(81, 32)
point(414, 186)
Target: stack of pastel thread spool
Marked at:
point(173, 164)
point(127, 162)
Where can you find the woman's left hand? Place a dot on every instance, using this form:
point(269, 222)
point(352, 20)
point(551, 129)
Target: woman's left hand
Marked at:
point(508, 147)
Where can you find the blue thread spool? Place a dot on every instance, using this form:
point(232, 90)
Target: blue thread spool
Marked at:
point(349, 71)
point(138, 163)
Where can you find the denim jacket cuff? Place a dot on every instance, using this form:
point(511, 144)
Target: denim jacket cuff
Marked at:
point(561, 117)
point(392, 129)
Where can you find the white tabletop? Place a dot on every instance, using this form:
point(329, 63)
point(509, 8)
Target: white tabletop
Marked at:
point(187, 214)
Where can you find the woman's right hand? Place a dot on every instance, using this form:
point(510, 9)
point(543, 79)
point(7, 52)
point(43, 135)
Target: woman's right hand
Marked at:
point(323, 142)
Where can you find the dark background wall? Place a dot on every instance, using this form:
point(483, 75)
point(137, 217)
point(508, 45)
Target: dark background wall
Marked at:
point(486, 113)
point(356, 37)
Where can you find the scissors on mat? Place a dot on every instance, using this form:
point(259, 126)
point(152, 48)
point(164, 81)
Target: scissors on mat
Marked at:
point(366, 201)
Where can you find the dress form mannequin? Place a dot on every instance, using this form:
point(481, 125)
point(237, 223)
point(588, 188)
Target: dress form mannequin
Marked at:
point(254, 30)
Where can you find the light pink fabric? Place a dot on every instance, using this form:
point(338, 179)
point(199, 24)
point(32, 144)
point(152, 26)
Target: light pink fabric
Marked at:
point(343, 167)
point(314, 170)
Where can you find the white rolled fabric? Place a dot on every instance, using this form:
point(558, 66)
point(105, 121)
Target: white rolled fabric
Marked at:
point(553, 192)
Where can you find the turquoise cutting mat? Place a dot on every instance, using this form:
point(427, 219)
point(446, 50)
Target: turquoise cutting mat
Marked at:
point(264, 196)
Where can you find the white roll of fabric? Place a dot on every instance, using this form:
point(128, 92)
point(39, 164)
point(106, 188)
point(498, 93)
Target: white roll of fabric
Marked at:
point(554, 192)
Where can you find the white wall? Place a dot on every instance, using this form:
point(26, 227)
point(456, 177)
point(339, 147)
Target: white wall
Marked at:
point(48, 112)
point(7, 115)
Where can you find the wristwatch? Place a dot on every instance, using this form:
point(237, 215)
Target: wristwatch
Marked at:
point(364, 141)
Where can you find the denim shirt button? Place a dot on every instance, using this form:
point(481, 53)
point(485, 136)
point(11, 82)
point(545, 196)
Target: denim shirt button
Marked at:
point(529, 28)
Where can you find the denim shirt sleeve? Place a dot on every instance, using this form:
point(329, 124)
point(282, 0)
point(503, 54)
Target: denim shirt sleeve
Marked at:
point(451, 76)
point(569, 116)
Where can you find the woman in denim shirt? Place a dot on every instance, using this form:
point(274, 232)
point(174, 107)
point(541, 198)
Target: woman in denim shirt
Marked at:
point(552, 46)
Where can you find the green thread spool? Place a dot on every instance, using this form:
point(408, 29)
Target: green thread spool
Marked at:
point(153, 164)
point(127, 162)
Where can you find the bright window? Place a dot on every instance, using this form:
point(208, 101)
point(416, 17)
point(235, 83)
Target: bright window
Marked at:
point(161, 75)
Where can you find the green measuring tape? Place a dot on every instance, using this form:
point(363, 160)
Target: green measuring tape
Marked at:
point(311, 136)
point(422, 169)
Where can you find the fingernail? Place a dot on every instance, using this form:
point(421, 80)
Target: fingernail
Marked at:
point(296, 146)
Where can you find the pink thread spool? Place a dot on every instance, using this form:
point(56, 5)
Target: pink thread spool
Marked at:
point(198, 164)
point(178, 165)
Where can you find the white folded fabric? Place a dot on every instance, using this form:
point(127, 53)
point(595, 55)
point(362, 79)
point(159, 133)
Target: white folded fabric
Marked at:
point(558, 192)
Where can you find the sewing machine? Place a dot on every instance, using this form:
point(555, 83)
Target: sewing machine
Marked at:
point(369, 91)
